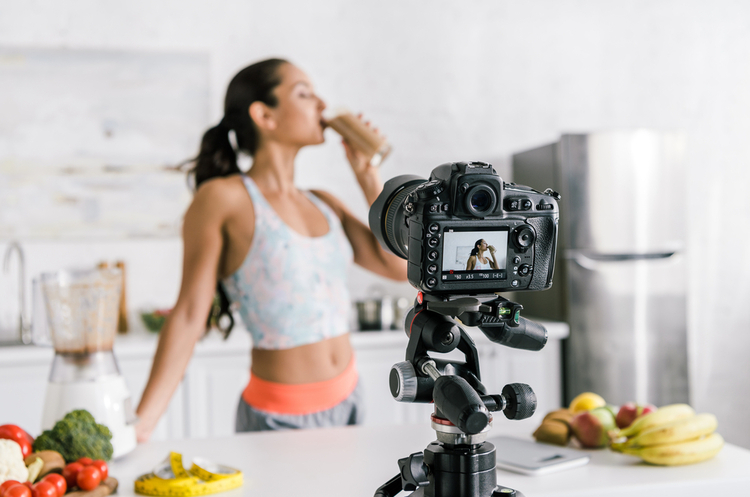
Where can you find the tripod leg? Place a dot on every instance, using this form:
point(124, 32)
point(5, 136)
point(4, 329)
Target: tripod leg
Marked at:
point(390, 488)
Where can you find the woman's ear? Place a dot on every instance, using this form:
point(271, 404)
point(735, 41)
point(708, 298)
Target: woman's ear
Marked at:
point(262, 116)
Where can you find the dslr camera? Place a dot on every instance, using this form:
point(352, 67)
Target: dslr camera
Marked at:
point(466, 231)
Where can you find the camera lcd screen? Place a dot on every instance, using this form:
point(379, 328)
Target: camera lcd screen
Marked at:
point(469, 255)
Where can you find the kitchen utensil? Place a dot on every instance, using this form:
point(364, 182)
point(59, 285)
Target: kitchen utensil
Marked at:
point(82, 311)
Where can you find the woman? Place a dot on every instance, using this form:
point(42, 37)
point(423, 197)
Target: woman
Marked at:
point(278, 252)
point(477, 260)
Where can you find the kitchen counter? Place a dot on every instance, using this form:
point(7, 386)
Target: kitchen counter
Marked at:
point(355, 461)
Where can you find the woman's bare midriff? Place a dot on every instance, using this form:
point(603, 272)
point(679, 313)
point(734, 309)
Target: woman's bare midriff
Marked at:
point(309, 363)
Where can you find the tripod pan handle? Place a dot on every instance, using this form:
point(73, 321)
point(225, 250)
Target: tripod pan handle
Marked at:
point(461, 404)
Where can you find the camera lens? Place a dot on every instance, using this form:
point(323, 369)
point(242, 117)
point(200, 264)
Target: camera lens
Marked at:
point(481, 200)
point(388, 214)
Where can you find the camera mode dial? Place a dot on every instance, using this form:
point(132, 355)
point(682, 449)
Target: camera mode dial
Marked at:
point(429, 190)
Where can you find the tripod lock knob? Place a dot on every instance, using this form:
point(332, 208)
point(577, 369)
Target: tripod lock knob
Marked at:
point(520, 401)
point(403, 382)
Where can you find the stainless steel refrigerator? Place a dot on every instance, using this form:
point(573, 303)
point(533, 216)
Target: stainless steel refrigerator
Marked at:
point(620, 276)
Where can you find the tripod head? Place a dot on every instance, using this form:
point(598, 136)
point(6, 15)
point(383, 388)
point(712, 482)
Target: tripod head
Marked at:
point(462, 416)
point(456, 387)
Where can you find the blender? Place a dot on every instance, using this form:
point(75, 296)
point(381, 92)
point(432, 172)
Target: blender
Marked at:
point(82, 311)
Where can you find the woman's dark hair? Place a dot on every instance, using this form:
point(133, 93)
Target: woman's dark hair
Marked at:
point(217, 157)
point(475, 250)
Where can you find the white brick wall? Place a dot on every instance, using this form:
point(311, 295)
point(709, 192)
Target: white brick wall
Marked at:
point(482, 79)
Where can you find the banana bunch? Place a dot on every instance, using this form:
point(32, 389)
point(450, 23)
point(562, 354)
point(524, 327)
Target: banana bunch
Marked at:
point(670, 436)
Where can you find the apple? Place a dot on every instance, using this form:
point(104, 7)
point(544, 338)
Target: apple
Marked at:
point(591, 428)
point(630, 411)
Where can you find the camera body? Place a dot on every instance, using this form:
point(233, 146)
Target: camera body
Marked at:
point(466, 231)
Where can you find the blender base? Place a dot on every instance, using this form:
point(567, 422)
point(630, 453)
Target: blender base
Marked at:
point(107, 399)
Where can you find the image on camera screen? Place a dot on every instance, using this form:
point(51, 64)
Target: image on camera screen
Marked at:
point(475, 251)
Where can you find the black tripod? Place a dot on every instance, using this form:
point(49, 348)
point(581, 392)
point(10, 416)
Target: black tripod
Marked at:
point(460, 463)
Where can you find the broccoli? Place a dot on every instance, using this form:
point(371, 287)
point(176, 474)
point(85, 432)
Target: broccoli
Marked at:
point(77, 435)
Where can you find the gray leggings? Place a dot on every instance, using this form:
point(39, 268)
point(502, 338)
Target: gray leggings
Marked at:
point(347, 412)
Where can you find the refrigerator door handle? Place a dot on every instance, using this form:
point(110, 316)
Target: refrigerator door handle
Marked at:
point(590, 260)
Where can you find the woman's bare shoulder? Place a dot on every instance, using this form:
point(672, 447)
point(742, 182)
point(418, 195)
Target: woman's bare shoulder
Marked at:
point(219, 198)
point(221, 191)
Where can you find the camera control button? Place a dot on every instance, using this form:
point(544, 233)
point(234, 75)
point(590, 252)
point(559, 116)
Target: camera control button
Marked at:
point(434, 228)
point(524, 269)
point(544, 206)
point(445, 207)
point(431, 282)
point(526, 204)
point(432, 268)
point(515, 283)
point(516, 260)
point(433, 255)
point(434, 207)
point(433, 242)
point(513, 204)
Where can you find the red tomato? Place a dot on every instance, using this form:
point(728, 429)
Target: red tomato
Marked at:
point(58, 481)
point(70, 473)
point(44, 489)
point(5, 486)
point(86, 461)
point(17, 491)
point(102, 467)
point(89, 478)
point(13, 432)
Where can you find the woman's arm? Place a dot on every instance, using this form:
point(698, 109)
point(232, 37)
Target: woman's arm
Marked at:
point(493, 263)
point(367, 251)
point(471, 262)
point(202, 237)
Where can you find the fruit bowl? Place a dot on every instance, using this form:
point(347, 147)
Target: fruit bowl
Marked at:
point(154, 320)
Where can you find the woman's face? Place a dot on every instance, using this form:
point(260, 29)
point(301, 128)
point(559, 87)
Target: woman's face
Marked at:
point(299, 113)
point(482, 245)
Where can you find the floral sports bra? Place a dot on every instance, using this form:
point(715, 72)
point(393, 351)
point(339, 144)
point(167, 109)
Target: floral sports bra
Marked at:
point(291, 289)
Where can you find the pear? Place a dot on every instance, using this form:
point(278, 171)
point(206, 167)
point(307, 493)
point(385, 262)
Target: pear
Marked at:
point(591, 428)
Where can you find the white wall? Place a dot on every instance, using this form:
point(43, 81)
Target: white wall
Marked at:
point(482, 79)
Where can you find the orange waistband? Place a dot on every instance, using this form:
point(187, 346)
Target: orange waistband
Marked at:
point(299, 399)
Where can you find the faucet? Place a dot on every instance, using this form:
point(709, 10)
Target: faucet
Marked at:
point(24, 330)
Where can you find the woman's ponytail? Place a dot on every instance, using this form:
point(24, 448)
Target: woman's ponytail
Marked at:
point(475, 250)
point(217, 157)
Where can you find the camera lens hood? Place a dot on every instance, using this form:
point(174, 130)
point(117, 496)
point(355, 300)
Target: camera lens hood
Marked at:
point(387, 215)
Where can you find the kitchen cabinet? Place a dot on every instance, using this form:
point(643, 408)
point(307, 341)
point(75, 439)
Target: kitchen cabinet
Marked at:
point(205, 403)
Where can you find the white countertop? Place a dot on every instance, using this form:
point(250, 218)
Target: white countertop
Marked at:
point(355, 461)
point(139, 342)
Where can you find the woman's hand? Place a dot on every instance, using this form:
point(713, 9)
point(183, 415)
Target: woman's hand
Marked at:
point(143, 432)
point(359, 161)
point(367, 175)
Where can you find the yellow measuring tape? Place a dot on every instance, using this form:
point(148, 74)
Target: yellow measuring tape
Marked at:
point(203, 478)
